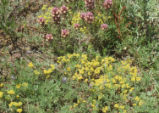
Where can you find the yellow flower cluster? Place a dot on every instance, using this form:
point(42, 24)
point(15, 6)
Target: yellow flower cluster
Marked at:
point(47, 72)
point(46, 14)
point(23, 84)
point(105, 109)
point(84, 29)
point(1, 85)
point(16, 104)
point(89, 70)
point(11, 92)
point(36, 72)
point(103, 74)
point(138, 101)
point(67, 58)
point(1, 94)
point(30, 65)
point(126, 68)
point(76, 19)
point(19, 110)
point(100, 18)
point(79, 101)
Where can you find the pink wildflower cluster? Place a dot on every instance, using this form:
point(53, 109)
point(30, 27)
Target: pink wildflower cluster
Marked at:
point(56, 15)
point(48, 37)
point(89, 4)
point(64, 9)
point(64, 33)
point(107, 4)
point(41, 20)
point(88, 17)
point(104, 26)
point(76, 26)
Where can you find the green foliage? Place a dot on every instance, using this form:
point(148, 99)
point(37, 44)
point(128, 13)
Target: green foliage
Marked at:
point(58, 79)
point(8, 23)
point(66, 86)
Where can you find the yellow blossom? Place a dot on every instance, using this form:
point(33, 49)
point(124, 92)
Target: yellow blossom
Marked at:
point(138, 78)
point(30, 65)
point(18, 86)
point(11, 104)
point(11, 92)
point(68, 69)
point(121, 107)
point(17, 104)
point(17, 96)
point(137, 98)
point(134, 104)
point(36, 72)
point(19, 110)
point(116, 105)
point(52, 67)
point(1, 85)
point(1, 94)
point(25, 84)
point(105, 109)
point(44, 7)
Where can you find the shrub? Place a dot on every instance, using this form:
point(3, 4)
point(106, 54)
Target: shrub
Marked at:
point(87, 23)
point(76, 83)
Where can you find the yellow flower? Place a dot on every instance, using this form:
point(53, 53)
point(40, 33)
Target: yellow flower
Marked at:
point(48, 71)
point(36, 72)
point(17, 96)
point(131, 89)
point(1, 84)
point(138, 79)
point(86, 80)
point(19, 110)
point(44, 7)
point(11, 104)
point(121, 107)
point(18, 86)
point(1, 94)
point(137, 98)
point(116, 105)
point(134, 104)
point(68, 69)
point(25, 84)
point(105, 109)
point(52, 67)
point(75, 105)
point(30, 65)
point(11, 92)
point(17, 104)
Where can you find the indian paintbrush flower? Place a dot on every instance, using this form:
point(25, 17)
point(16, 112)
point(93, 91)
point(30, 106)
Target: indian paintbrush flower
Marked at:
point(107, 4)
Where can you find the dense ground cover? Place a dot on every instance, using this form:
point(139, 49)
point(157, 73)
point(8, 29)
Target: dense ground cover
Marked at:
point(79, 56)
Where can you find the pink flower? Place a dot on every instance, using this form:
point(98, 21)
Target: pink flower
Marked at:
point(56, 15)
point(107, 4)
point(64, 33)
point(76, 26)
point(89, 4)
point(64, 9)
point(48, 37)
point(82, 15)
point(41, 20)
point(88, 17)
point(104, 26)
